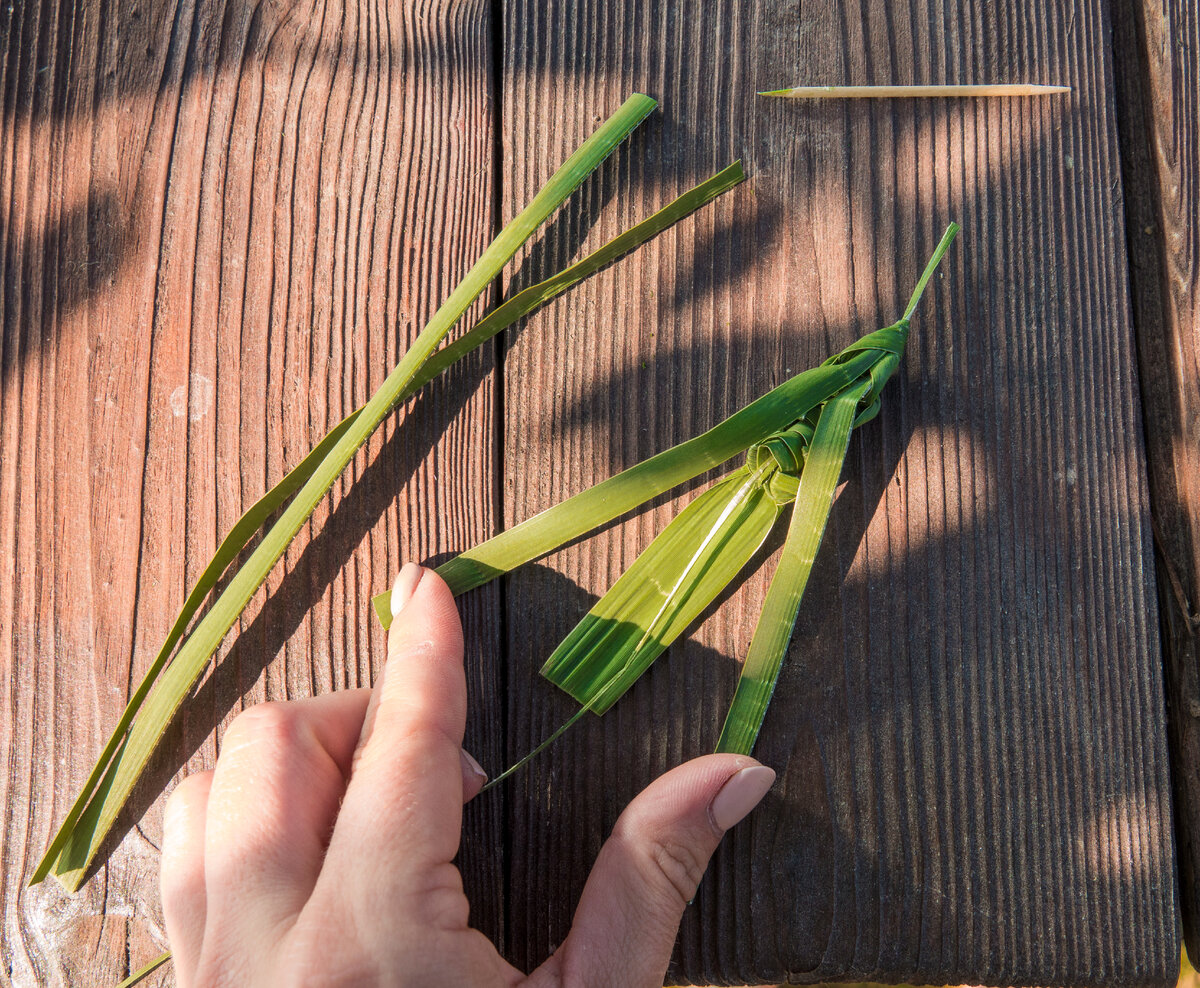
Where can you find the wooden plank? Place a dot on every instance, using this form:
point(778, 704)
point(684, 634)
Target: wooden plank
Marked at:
point(221, 222)
point(969, 736)
point(1158, 60)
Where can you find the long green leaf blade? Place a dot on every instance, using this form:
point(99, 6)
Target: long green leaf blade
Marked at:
point(238, 538)
point(535, 296)
point(74, 854)
point(592, 508)
point(814, 499)
point(610, 498)
point(818, 482)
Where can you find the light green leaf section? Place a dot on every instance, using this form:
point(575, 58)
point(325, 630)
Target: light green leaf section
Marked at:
point(678, 575)
point(154, 704)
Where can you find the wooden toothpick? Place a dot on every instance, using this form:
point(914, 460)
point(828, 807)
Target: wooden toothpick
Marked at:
point(904, 92)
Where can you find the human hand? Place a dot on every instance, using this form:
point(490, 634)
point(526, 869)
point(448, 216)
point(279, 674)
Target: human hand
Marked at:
point(320, 849)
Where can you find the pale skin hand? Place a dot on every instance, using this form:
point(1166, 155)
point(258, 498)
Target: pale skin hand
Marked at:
point(319, 851)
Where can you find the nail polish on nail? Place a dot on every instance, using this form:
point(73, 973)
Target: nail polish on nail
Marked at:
point(405, 586)
point(472, 767)
point(740, 795)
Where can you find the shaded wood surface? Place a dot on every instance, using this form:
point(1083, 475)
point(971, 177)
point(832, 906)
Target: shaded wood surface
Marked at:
point(221, 222)
point(1158, 45)
point(969, 731)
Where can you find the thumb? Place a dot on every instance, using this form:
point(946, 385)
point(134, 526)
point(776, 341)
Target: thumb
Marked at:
point(649, 868)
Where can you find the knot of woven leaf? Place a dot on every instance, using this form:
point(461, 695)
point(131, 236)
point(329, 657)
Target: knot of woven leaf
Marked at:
point(788, 448)
point(779, 460)
point(889, 344)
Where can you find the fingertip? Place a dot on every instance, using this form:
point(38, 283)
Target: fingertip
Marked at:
point(474, 778)
point(688, 791)
point(404, 585)
point(423, 612)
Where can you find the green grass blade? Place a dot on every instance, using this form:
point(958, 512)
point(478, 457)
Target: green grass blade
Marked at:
point(129, 758)
point(238, 538)
point(814, 499)
point(938, 253)
point(607, 500)
point(678, 575)
point(146, 971)
point(826, 455)
point(592, 508)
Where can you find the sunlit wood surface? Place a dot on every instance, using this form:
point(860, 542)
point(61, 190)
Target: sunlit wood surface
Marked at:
point(220, 225)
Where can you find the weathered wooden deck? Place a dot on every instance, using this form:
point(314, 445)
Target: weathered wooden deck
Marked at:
point(221, 222)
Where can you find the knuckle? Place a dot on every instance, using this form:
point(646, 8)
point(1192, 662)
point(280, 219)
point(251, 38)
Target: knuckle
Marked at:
point(185, 799)
point(678, 866)
point(265, 725)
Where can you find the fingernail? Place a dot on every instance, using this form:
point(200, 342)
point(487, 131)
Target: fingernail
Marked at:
point(740, 795)
point(470, 766)
point(405, 586)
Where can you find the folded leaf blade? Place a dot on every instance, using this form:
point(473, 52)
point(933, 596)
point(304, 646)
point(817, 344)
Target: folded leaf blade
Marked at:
point(611, 498)
point(665, 589)
point(814, 499)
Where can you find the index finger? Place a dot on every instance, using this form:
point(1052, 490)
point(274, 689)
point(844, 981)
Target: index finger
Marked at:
point(402, 815)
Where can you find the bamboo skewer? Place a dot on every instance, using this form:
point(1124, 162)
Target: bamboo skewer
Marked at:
point(905, 92)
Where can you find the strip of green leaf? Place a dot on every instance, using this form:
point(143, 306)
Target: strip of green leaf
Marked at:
point(145, 972)
point(814, 498)
point(678, 575)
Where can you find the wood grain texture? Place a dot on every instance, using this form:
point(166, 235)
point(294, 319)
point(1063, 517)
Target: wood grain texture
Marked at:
point(220, 224)
point(1158, 55)
point(969, 730)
